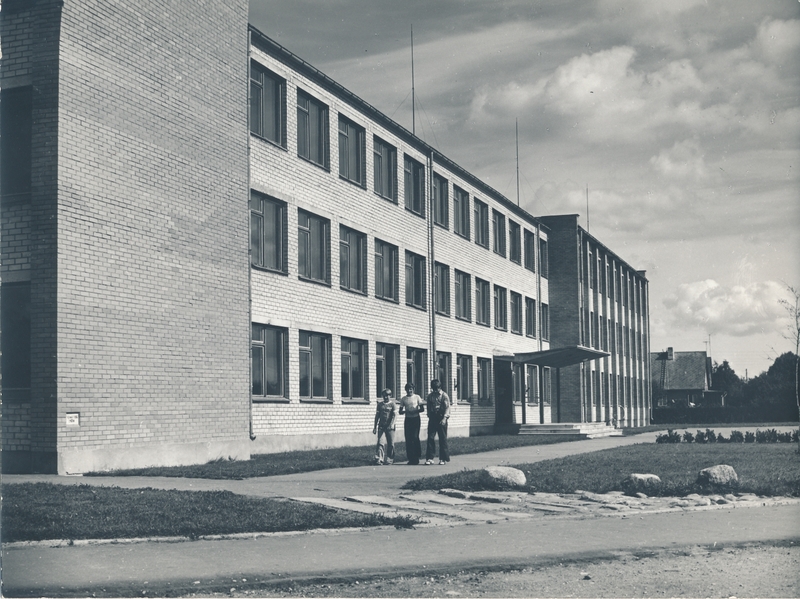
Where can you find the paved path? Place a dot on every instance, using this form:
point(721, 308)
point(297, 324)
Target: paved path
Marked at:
point(469, 531)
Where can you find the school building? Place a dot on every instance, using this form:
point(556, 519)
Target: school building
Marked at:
point(210, 249)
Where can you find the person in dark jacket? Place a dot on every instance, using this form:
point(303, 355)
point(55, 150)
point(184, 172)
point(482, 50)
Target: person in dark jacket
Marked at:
point(438, 414)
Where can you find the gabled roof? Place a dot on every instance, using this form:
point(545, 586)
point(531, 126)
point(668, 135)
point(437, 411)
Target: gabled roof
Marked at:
point(687, 370)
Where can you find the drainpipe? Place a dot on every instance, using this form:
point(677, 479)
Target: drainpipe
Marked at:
point(249, 256)
point(432, 272)
point(538, 263)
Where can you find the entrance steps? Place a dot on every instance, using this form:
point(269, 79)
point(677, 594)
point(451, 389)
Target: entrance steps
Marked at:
point(581, 430)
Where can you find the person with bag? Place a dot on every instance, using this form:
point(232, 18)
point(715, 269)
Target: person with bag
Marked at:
point(385, 416)
point(411, 405)
point(438, 414)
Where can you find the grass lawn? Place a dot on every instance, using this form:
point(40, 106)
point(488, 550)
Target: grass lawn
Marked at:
point(39, 511)
point(292, 462)
point(765, 469)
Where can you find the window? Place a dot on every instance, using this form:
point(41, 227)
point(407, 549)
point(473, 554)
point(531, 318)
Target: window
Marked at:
point(463, 296)
point(530, 250)
point(16, 136)
point(441, 198)
point(545, 322)
point(313, 261)
point(267, 232)
point(482, 307)
point(530, 317)
point(387, 366)
point(517, 382)
point(414, 186)
point(352, 260)
point(268, 349)
point(481, 223)
point(516, 313)
point(415, 280)
point(546, 385)
point(314, 365)
point(312, 130)
point(385, 169)
point(484, 379)
point(532, 383)
point(543, 258)
point(514, 248)
point(352, 152)
point(443, 372)
point(417, 369)
point(498, 233)
point(591, 274)
point(354, 368)
point(385, 270)
point(464, 377)
point(15, 306)
point(267, 104)
point(461, 212)
point(500, 314)
point(442, 285)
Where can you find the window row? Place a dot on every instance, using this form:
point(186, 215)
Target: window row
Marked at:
point(270, 368)
point(268, 121)
point(268, 247)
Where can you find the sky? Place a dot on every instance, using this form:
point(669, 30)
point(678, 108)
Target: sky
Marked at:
point(681, 117)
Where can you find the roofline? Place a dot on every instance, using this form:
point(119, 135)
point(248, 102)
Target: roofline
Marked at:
point(273, 48)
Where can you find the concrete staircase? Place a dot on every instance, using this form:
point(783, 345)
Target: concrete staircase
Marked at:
point(585, 430)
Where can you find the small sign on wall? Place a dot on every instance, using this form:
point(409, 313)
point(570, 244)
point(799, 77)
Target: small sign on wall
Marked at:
point(73, 418)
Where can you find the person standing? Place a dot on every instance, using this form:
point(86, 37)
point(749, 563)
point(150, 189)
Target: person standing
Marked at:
point(385, 415)
point(438, 414)
point(411, 405)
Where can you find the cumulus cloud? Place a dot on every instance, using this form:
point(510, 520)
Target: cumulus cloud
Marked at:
point(739, 310)
point(685, 159)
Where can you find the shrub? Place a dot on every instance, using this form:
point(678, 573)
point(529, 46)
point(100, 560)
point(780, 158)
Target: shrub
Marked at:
point(688, 437)
point(700, 437)
point(768, 436)
point(721, 438)
point(785, 437)
point(670, 437)
point(710, 436)
point(737, 437)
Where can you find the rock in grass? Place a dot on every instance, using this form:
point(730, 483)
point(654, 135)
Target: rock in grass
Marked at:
point(504, 476)
point(718, 476)
point(648, 484)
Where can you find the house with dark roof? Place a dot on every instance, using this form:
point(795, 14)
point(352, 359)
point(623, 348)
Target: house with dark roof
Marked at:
point(682, 379)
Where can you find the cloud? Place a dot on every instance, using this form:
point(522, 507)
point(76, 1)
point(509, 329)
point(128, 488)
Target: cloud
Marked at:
point(684, 160)
point(739, 310)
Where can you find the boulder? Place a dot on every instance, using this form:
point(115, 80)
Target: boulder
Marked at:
point(648, 484)
point(718, 476)
point(505, 476)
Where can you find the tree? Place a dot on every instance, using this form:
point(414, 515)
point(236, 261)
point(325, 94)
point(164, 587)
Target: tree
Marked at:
point(792, 308)
point(723, 378)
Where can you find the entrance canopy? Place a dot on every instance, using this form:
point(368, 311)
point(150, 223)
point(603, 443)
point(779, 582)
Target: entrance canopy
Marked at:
point(560, 357)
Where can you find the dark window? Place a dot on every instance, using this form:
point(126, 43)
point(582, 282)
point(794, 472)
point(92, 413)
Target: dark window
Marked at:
point(543, 258)
point(313, 247)
point(546, 385)
point(352, 152)
point(464, 377)
point(443, 370)
point(514, 248)
point(591, 274)
point(415, 280)
point(385, 169)
point(387, 366)
point(461, 212)
point(530, 250)
point(15, 302)
point(312, 130)
point(414, 186)
point(500, 309)
point(498, 233)
point(516, 313)
point(417, 369)
point(532, 383)
point(267, 104)
point(269, 350)
point(385, 270)
point(484, 379)
point(354, 368)
point(463, 296)
point(314, 365)
point(352, 260)
point(267, 232)
point(481, 223)
point(545, 322)
point(441, 198)
point(482, 302)
point(530, 317)
point(442, 283)
point(16, 118)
